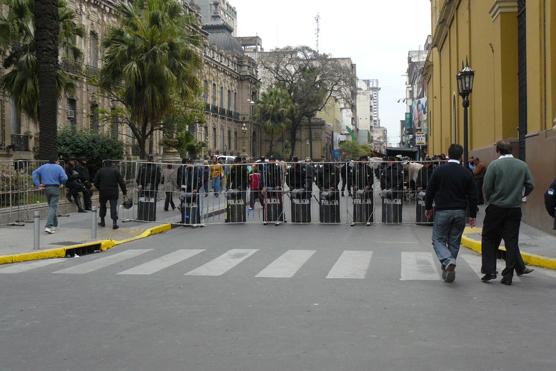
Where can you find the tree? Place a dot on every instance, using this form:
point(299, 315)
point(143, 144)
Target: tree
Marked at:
point(355, 150)
point(90, 145)
point(273, 112)
point(31, 32)
point(150, 58)
point(310, 79)
point(179, 128)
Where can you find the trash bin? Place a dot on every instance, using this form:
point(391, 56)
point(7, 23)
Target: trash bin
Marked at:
point(329, 207)
point(363, 207)
point(301, 206)
point(421, 218)
point(273, 211)
point(236, 211)
point(146, 206)
point(190, 208)
point(392, 207)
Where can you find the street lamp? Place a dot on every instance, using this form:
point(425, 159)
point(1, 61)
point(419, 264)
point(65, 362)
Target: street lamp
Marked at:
point(465, 79)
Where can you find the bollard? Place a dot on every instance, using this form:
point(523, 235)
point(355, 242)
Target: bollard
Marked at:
point(36, 230)
point(94, 219)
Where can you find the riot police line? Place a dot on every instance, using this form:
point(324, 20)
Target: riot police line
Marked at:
point(359, 192)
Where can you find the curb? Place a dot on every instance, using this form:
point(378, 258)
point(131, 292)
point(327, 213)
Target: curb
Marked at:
point(63, 252)
point(529, 259)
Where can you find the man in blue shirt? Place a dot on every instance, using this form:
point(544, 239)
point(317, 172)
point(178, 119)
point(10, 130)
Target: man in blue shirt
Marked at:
point(49, 177)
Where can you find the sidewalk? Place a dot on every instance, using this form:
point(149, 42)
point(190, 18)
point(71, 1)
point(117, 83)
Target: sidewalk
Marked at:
point(76, 229)
point(532, 242)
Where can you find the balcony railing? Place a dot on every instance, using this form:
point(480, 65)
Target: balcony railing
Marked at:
point(207, 107)
point(230, 114)
point(72, 67)
point(20, 142)
point(222, 111)
point(214, 108)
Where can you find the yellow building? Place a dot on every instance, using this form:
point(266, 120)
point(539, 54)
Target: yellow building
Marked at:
point(511, 46)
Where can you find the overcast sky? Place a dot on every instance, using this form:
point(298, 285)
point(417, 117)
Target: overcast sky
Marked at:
point(376, 34)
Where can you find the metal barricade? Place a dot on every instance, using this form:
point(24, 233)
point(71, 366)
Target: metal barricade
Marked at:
point(207, 192)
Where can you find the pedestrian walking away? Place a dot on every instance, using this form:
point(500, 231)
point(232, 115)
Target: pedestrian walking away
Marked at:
point(50, 177)
point(75, 185)
point(507, 181)
point(452, 190)
point(106, 182)
point(169, 185)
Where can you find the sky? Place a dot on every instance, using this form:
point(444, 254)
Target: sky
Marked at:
point(375, 34)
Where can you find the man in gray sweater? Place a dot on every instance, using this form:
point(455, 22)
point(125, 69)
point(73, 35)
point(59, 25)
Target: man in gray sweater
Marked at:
point(506, 182)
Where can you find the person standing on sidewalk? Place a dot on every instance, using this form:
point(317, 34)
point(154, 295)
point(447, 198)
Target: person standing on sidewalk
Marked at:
point(107, 181)
point(507, 181)
point(453, 191)
point(50, 177)
point(170, 182)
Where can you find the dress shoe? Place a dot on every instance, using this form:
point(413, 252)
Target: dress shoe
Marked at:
point(102, 223)
point(450, 273)
point(115, 226)
point(506, 281)
point(488, 277)
point(525, 271)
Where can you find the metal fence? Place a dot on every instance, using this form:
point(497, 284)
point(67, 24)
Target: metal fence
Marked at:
point(204, 193)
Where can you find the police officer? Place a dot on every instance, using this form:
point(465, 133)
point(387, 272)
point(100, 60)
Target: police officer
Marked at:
point(362, 175)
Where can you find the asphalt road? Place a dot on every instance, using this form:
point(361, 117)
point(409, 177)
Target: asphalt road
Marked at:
point(273, 298)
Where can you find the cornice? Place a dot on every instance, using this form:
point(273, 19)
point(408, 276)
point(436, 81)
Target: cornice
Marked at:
point(444, 21)
point(503, 6)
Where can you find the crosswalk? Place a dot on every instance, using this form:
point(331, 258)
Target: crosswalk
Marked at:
point(345, 265)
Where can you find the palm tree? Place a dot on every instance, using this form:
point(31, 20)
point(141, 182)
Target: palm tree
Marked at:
point(272, 112)
point(31, 33)
point(152, 57)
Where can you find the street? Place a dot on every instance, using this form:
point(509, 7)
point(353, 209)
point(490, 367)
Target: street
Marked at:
point(273, 298)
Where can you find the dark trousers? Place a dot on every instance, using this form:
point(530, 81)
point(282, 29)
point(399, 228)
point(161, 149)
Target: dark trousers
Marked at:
point(169, 201)
point(87, 194)
point(113, 207)
point(501, 223)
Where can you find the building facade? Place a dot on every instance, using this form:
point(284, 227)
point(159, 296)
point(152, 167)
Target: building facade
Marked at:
point(217, 12)
point(415, 126)
point(511, 46)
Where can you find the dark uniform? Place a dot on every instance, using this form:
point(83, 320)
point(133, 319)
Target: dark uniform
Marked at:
point(107, 181)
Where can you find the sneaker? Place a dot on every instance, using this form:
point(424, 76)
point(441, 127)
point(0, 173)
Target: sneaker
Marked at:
point(488, 277)
point(506, 281)
point(444, 273)
point(450, 273)
point(49, 230)
point(115, 226)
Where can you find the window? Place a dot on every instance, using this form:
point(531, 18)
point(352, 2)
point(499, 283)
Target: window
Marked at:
point(222, 139)
point(213, 94)
point(214, 145)
point(93, 50)
point(229, 100)
point(205, 133)
point(229, 140)
point(222, 96)
point(235, 141)
point(235, 101)
point(206, 91)
point(94, 117)
point(72, 112)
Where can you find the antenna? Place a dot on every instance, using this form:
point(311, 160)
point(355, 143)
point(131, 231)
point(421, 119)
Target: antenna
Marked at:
point(317, 20)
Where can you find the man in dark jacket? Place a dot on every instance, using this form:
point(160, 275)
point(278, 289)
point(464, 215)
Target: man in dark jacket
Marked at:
point(149, 177)
point(107, 181)
point(85, 177)
point(347, 177)
point(239, 177)
point(328, 177)
point(74, 185)
point(453, 191)
point(362, 175)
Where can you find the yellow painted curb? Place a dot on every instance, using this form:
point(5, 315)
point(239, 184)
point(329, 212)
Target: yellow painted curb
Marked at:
point(529, 259)
point(61, 252)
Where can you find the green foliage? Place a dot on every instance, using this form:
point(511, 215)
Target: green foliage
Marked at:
point(355, 150)
point(92, 146)
point(273, 112)
point(18, 52)
point(178, 127)
point(151, 60)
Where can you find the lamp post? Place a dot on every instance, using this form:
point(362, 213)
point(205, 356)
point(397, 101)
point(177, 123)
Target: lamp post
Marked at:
point(244, 133)
point(465, 79)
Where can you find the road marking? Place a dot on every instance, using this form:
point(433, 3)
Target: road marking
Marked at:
point(24, 267)
point(418, 266)
point(287, 265)
point(351, 265)
point(223, 263)
point(161, 263)
point(97, 264)
point(475, 262)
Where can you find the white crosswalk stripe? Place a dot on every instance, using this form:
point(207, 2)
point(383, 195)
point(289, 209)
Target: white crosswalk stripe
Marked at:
point(223, 263)
point(418, 266)
point(351, 265)
point(287, 265)
point(100, 263)
point(24, 267)
point(161, 263)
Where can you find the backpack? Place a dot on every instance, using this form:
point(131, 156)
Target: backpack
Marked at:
point(550, 199)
